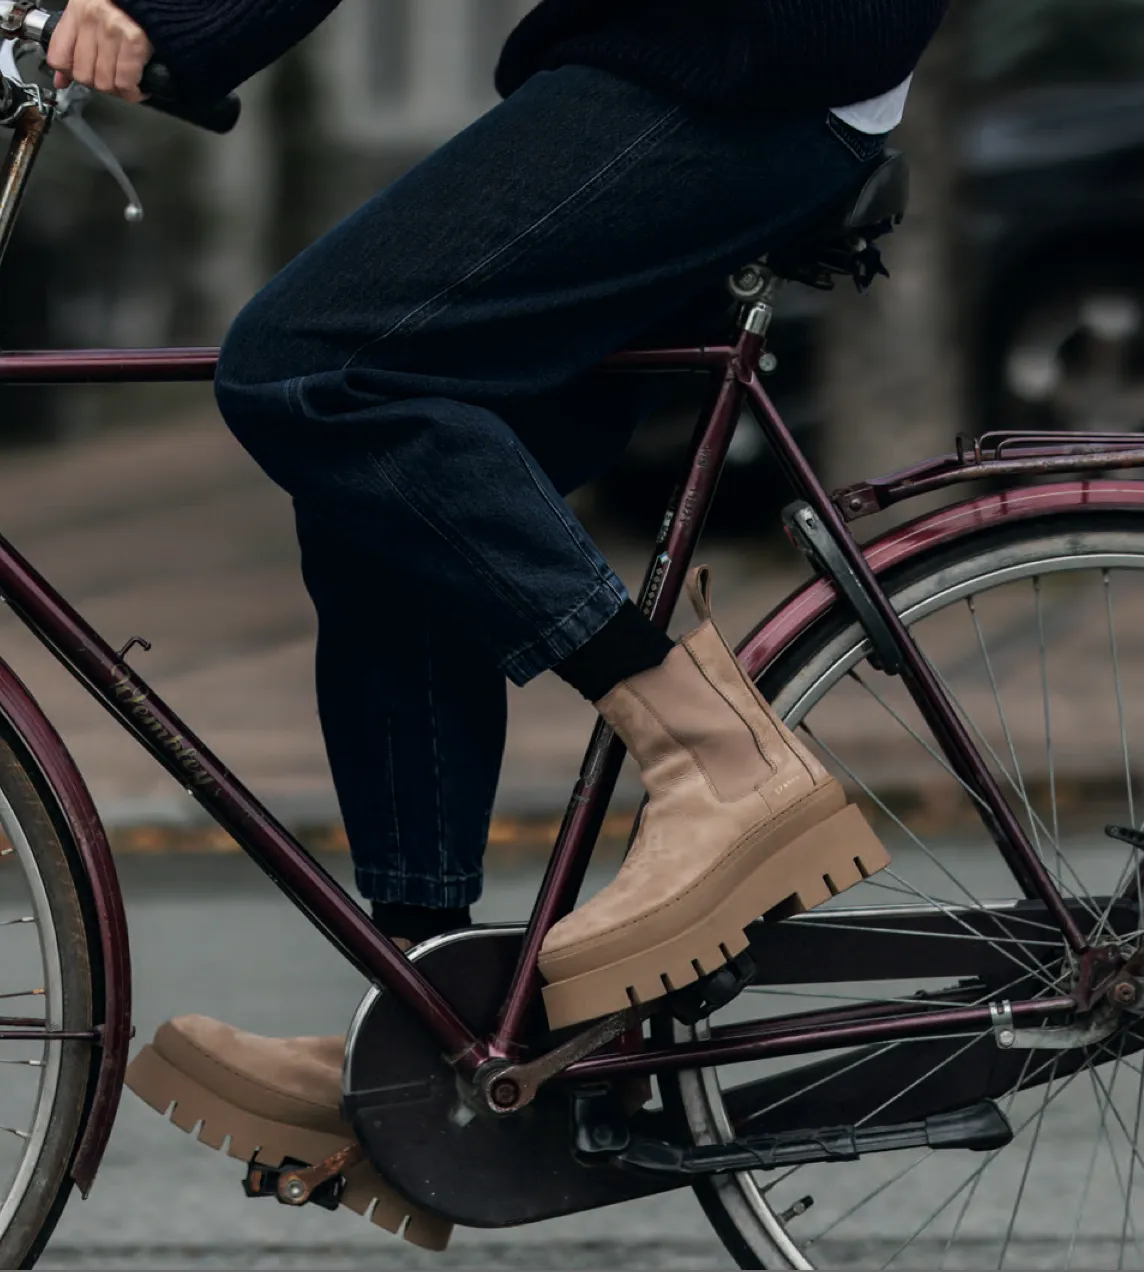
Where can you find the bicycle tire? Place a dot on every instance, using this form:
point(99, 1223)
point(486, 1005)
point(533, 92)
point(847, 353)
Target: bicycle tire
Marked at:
point(734, 1205)
point(67, 941)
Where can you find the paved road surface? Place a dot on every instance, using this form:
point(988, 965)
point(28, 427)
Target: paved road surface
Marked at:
point(162, 1201)
point(210, 935)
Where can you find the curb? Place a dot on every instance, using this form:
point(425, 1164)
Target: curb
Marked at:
point(934, 809)
point(511, 839)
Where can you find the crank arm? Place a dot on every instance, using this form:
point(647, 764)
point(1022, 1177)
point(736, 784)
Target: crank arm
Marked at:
point(507, 1088)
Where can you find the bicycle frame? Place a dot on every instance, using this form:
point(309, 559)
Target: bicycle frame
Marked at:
point(105, 673)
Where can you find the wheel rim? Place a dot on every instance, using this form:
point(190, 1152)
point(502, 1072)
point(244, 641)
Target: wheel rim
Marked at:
point(42, 1059)
point(875, 1227)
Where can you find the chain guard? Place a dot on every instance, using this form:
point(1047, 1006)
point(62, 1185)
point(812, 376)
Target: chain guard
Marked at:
point(429, 1137)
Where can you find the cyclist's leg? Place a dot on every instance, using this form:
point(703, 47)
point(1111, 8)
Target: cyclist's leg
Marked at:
point(414, 720)
point(366, 378)
point(375, 378)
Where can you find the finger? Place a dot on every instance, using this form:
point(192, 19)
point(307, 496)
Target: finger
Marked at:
point(83, 56)
point(106, 61)
point(61, 79)
point(133, 55)
point(62, 45)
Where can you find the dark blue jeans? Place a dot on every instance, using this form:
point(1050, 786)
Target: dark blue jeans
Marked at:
point(419, 382)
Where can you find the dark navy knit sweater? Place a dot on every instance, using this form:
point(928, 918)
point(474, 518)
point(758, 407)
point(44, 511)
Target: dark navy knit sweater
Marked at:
point(733, 54)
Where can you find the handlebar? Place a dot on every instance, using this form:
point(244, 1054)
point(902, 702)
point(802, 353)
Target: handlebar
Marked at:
point(218, 116)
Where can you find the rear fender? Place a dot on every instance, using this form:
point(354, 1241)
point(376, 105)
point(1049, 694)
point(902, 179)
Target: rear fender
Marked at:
point(784, 625)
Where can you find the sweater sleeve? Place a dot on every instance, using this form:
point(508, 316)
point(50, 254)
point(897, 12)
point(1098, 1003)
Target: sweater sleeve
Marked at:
point(212, 46)
point(736, 54)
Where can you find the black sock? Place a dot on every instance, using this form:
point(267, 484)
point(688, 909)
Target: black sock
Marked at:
point(417, 923)
point(626, 645)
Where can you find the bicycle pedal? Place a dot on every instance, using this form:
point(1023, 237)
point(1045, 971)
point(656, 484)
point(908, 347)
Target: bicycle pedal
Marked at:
point(289, 1186)
point(707, 995)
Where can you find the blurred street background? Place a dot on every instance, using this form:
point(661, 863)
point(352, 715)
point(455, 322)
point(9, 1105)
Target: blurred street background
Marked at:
point(1016, 301)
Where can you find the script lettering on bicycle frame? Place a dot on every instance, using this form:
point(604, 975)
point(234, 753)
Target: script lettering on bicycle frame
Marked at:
point(173, 743)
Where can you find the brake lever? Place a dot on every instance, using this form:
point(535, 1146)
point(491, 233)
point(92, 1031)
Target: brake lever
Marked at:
point(70, 104)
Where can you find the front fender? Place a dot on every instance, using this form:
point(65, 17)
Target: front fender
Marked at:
point(959, 521)
point(63, 789)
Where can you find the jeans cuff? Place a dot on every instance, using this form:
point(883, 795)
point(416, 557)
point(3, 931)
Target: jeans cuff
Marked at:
point(453, 893)
point(569, 633)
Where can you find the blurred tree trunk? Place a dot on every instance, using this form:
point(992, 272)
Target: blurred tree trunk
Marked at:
point(891, 360)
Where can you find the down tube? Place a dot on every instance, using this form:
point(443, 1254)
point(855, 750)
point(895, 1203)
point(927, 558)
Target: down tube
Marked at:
point(152, 723)
point(931, 699)
point(661, 590)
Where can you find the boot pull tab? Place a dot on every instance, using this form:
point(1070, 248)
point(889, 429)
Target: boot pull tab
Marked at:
point(699, 591)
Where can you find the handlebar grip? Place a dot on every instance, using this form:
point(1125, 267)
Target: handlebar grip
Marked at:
point(218, 116)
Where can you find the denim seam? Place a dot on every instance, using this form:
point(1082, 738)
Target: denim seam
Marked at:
point(457, 542)
point(446, 877)
point(442, 854)
point(562, 515)
point(523, 665)
point(522, 660)
point(482, 265)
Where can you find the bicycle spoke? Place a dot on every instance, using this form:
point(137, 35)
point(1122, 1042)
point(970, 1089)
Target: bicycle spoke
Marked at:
point(919, 844)
point(1131, 1170)
point(1080, 897)
point(1045, 1101)
point(973, 795)
point(939, 936)
point(980, 1170)
point(1021, 787)
point(1011, 917)
point(1107, 576)
point(1102, 1135)
point(857, 998)
point(937, 1068)
point(867, 1058)
point(877, 1192)
point(1012, 1096)
point(1049, 756)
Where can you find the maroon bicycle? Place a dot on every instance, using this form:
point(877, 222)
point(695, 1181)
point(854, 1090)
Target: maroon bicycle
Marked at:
point(966, 1026)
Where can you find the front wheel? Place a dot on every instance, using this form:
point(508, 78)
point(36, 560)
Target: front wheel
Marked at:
point(1037, 631)
point(48, 970)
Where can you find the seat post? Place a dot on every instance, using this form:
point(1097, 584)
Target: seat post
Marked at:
point(758, 287)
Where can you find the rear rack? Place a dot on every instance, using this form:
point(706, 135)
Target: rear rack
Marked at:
point(997, 454)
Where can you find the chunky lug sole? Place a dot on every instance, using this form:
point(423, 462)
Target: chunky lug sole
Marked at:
point(819, 864)
point(247, 1137)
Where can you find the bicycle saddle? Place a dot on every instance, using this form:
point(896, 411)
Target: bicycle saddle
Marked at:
point(883, 196)
point(842, 243)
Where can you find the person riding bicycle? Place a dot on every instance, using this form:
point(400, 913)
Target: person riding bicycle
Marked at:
point(419, 381)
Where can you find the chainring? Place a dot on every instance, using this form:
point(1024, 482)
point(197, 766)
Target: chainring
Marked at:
point(430, 1138)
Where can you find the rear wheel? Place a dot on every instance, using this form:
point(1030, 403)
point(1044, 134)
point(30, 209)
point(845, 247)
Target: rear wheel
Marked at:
point(1037, 630)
